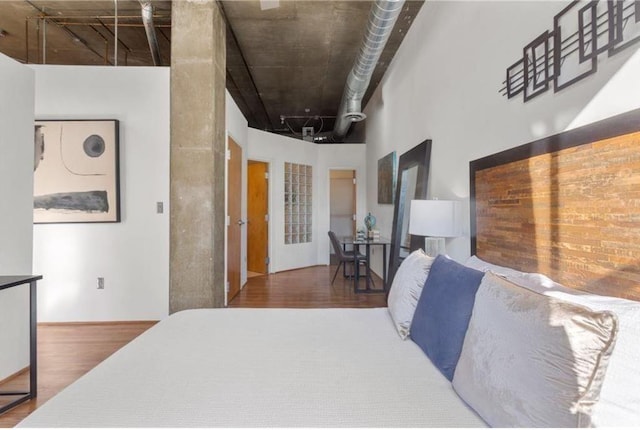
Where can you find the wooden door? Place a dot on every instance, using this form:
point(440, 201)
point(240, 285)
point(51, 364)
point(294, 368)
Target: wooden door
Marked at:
point(257, 217)
point(234, 229)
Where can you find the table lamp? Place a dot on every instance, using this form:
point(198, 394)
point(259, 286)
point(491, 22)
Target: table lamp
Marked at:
point(436, 220)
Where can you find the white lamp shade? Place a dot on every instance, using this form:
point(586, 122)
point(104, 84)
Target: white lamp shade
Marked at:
point(438, 218)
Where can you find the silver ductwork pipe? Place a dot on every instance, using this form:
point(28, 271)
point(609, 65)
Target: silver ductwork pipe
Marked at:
point(147, 20)
point(382, 18)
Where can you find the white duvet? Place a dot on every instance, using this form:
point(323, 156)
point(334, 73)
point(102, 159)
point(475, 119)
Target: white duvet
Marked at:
point(259, 368)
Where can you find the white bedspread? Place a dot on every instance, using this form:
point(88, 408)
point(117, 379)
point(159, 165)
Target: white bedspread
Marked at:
point(263, 367)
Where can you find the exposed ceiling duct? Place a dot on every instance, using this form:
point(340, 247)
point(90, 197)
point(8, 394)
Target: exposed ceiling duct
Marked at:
point(147, 20)
point(382, 18)
point(296, 67)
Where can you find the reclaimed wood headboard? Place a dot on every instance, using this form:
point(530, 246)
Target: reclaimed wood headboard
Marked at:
point(567, 206)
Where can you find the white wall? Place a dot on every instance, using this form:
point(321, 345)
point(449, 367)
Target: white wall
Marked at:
point(133, 255)
point(443, 84)
point(276, 150)
point(238, 130)
point(16, 209)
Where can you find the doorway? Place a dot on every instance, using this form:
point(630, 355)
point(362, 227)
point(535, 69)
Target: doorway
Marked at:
point(258, 218)
point(342, 203)
point(234, 226)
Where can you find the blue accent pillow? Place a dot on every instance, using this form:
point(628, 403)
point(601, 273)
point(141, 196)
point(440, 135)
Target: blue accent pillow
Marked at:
point(443, 312)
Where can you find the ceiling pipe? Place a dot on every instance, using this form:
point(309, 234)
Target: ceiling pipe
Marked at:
point(382, 18)
point(147, 20)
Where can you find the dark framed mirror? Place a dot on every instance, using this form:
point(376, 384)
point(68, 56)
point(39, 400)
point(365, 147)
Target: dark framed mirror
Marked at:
point(411, 183)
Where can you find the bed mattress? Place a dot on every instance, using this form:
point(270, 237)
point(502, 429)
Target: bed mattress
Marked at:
point(262, 368)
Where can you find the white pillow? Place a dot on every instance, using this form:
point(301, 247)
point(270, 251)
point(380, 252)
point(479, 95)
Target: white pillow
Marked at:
point(529, 360)
point(619, 403)
point(406, 289)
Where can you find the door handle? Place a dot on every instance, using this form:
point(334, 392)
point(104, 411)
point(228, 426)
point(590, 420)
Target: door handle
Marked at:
point(240, 222)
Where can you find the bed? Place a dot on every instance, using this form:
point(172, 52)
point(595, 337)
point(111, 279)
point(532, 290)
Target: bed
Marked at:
point(565, 206)
point(263, 368)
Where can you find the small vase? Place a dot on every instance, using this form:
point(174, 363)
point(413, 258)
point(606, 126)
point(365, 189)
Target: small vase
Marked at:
point(369, 221)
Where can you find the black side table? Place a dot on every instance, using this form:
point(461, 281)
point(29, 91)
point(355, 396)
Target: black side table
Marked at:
point(13, 281)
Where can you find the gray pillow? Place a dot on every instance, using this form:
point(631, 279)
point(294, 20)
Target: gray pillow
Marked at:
point(619, 403)
point(530, 360)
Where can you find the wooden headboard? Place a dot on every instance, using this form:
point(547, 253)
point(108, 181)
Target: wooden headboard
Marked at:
point(567, 206)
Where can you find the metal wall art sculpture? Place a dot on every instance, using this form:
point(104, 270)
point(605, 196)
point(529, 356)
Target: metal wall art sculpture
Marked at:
point(568, 53)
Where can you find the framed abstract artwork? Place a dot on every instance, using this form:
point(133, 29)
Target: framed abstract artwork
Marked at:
point(76, 171)
point(387, 167)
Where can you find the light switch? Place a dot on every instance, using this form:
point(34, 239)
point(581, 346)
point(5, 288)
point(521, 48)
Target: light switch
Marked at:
point(159, 207)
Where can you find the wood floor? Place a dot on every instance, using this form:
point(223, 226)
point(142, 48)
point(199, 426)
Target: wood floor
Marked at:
point(65, 353)
point(306, 288)
point(68, 351)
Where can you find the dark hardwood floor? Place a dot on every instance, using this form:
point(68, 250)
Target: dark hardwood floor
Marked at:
point(68, 351)
point(306, 288)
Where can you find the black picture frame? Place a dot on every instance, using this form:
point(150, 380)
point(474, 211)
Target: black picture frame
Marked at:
point(617, 10)
point(515, 78)
point(420, 157)
point(536, 66)
point(560, 55)
point(589, 33)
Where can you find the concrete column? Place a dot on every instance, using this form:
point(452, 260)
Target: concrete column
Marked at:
point(198, 57)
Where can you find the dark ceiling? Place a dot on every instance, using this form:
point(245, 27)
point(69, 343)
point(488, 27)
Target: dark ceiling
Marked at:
point(286, 65)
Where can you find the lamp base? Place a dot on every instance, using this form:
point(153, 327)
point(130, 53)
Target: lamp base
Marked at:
point(433, 246)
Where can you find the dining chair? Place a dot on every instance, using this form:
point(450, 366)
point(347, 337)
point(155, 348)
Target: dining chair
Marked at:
point(345, 257)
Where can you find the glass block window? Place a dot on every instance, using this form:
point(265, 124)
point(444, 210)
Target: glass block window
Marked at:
point(298, 196)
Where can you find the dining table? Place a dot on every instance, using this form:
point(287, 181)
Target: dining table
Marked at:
point(357, 243)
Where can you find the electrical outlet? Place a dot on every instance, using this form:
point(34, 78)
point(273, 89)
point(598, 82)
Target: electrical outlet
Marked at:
point(159, 207)
point(101, 283)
